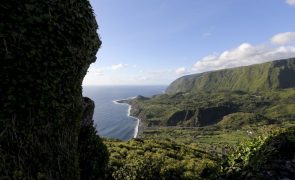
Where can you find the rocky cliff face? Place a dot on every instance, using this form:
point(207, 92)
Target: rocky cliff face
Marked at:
point(212, 115)
point(46, 48)
point(180, 116)
point(93, 153)
point(200, 116)
point(271, 75)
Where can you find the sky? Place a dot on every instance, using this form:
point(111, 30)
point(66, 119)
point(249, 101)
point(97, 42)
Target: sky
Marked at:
point(153, 42)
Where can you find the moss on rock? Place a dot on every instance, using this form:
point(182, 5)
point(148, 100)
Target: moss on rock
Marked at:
point(46, 48)
point(93, 153)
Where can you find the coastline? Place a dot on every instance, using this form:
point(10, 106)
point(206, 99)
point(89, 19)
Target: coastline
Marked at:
point(139, 127)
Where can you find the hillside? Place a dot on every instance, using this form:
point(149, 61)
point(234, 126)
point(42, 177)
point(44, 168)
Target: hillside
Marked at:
point(219, 135)
point(271, 75)
point(208, 108)
point(229, 124)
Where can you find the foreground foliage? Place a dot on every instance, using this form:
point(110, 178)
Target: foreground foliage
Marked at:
point(237, 135)
point(158, 159)
point(270, 155)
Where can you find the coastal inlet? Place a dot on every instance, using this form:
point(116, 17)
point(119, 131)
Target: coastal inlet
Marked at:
point(127, 102)
point(112, 114)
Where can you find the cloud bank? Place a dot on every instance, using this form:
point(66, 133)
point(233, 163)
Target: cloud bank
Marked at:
point(284, 38)
point(247, 54)
point(181, 71)
point(280, 46)
point(290, 2)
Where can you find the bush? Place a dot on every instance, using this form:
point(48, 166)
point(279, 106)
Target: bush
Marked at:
point(160, 160)
point(269, 157)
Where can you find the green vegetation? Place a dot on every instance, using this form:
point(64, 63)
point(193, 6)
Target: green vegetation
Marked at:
point(254, 78)
point(158, 159)
point(238, 132)
point(228, 124)
point(46, 48)
point(235, 108)
point(267, 155)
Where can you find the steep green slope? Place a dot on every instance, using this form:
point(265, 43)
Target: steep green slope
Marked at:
point(204, 108)
point(271, 75)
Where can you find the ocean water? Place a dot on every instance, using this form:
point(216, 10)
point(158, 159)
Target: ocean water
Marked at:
point(112, 119)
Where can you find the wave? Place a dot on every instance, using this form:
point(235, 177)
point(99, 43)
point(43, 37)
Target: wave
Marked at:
point(129, 113)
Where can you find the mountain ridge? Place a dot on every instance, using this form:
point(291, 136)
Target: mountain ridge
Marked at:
point(271, 75)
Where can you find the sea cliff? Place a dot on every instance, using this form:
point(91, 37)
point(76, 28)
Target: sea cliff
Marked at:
point(277, 74)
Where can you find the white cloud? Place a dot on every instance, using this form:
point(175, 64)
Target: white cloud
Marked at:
point(96, 71)
point(180, 71)
point(118, 66)
point(102, 75)
point(290, 2)
point(245, 54)
point(93, 75)
point(283, 38)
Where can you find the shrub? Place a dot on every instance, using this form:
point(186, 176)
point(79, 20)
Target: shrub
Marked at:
point(269, 157)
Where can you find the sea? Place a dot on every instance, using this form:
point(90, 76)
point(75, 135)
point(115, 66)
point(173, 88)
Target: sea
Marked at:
point(111, 119)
